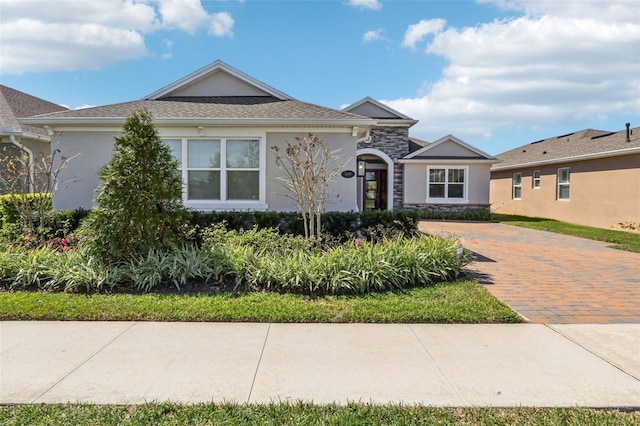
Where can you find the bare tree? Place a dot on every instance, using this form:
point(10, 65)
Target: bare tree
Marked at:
point(31, 183)
point(308, 167)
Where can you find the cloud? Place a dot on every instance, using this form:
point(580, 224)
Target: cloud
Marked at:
point(365, 4)
point(373, 35)
point(557, 63)
point(65, 35)
point(416, 32)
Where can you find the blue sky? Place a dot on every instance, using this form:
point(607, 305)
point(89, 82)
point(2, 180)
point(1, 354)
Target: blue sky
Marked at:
point(496, 73)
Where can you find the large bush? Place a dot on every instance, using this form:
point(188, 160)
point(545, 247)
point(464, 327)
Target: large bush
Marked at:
point(139, 202)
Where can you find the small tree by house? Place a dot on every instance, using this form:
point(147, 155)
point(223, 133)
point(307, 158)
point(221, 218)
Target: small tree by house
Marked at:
point(138, 205)
point(29, 184)
point(308, 167)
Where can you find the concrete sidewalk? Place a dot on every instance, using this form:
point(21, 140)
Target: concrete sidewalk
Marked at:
point(441, 365)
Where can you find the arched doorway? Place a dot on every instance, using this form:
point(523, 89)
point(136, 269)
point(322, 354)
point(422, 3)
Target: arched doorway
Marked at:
point(375, 180)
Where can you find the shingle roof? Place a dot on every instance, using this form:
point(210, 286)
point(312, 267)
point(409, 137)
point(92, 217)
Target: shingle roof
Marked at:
point(15, 104)
point(573, 146)
point(416, 144)
point(226, 107)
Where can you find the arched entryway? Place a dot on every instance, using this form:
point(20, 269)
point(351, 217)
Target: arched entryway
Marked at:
point(375, 180)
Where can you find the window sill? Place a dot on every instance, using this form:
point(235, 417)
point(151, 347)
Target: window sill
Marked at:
point(446, 201)
point(226, 205)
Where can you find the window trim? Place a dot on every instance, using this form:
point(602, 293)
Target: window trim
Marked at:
point(514, 186)
point(446, 199)
point(224, 203)
point(559, 184)
point(535, 180)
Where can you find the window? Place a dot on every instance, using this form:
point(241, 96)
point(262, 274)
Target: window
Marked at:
point(536, 179)
point(564, 183)
point(446, 183)
point(516, 193)
point(220, 170)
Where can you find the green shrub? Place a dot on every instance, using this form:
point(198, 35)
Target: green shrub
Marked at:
point(139, 205)
point(11, 206)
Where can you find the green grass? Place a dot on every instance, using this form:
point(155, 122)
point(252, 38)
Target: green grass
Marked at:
point(463, 301)
point(618, 239)
point(306, 414)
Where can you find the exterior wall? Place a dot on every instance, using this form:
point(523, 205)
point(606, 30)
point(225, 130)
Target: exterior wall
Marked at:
point(604, 192)
point(393, 141)
point(342, 191)
point(96, 148)
point(415, 193)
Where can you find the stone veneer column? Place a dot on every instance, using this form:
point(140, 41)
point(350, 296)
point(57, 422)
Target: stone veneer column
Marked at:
point(393, 141)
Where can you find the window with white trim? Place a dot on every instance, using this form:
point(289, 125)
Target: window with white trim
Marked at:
point(536, 179)
point(219, 170)
point(447, 184)
point(516, 184)
point(564, 183)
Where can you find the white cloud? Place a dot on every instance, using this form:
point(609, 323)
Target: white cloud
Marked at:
point(373, 35)
point(416, 32)
point(558, 63)
point(65, 35)
point(365, 4)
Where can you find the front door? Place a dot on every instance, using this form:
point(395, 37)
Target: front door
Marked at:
point(375, 190)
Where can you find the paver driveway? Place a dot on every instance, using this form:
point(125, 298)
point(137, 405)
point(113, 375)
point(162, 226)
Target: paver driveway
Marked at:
point(550, 278)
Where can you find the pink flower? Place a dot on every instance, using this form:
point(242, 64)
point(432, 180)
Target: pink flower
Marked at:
point(358, 243)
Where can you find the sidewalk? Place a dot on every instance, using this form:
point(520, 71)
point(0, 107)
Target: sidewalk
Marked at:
point(595, 365)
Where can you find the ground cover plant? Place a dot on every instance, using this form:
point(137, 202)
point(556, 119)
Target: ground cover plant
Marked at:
point(621, 240)
point(307, 414)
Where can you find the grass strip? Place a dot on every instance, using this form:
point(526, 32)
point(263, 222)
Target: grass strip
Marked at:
point(463, 301)
point(621, 240)
point(306, 414)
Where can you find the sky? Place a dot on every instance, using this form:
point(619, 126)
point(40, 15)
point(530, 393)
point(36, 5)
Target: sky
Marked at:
point(495, 73)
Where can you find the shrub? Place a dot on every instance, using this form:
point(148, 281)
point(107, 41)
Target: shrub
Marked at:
point(139, 206)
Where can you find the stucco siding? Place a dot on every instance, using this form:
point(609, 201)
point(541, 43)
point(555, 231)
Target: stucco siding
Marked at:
point(603, 192)
point(450, 149)
point(342, 191)
point(415, 190)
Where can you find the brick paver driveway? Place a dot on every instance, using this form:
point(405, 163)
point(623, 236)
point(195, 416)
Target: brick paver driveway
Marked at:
point(550, 278)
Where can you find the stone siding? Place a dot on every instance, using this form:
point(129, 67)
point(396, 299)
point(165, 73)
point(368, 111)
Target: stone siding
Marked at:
point(393, 141)
point(455, 208)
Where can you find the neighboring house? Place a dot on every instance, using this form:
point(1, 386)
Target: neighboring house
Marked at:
point(221, 124)
point(590, 177)
point(20, 139)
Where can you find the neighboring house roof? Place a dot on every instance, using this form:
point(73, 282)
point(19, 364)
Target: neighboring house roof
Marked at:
point(416, 144)
point(386, 115)
point(449, 148)
point(15, 104)
point(217, 94)
point(583, 145)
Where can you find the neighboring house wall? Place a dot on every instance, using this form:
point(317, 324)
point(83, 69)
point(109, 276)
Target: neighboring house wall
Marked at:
point(81, 180)
point(477, 189)
point(603, 192)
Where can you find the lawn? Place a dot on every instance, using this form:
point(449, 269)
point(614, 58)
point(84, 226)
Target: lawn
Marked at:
point(306, 414)
point(621, 240)
point(463, 301)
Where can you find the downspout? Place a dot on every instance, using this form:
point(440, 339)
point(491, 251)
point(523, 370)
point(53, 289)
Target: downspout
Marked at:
point(13, 140)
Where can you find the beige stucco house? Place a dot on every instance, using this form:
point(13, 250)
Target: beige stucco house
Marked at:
point(18, 139)
point(222, 123)
point(590, 177)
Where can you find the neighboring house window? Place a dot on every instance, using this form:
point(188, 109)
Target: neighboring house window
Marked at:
point(447, 183)
point(536, 179)
point(219, 170)
point(564, 183)
point(517, 186)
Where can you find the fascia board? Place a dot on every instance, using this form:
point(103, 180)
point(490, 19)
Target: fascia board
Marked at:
point(447, 161)
point(191, 121)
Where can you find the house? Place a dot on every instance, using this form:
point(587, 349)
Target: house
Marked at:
point(222, 123)
point(590, 177)
point(18, 139)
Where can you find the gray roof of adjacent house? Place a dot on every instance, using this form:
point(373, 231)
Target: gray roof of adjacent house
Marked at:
point(211, 108)
point(15, 104)
point(582, 145)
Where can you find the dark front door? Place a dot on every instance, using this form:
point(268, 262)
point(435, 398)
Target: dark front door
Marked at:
point(375, 190)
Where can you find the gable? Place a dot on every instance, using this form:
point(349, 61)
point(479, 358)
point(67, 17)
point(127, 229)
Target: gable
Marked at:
point(219, 83)
point(368, 109)
point(450, 148)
